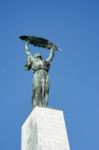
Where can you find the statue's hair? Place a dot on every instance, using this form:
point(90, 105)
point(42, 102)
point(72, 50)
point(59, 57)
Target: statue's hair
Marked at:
point(37, 55)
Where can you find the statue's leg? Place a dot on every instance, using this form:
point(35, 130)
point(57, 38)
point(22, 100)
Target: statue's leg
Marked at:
point(37, 99)
point(34, 102)
point(46, 93)
point(40, 89)
point(37, 92)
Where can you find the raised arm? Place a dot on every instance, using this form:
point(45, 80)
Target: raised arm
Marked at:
point(30, 58)
point(51, 55)
point(27, 51)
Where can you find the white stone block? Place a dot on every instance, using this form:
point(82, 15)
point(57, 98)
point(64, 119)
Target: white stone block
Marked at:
point(45, 129)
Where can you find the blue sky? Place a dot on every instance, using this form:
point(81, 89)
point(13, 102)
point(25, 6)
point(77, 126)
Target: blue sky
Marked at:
point(74, 74)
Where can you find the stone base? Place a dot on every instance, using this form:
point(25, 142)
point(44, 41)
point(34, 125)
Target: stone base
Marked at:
point(45, 129)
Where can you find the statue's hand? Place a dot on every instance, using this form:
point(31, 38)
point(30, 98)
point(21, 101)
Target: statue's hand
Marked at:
point(26, 46)
point(53, 48)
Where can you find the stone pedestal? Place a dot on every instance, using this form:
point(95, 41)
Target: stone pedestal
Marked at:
point(45, 129)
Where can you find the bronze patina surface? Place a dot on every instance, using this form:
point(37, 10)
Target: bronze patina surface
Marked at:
point(40, 68)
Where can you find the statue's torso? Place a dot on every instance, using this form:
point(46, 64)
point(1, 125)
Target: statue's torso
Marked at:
point(39, 64)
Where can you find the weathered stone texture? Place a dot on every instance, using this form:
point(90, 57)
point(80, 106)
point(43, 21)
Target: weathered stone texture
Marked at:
point(45, 129)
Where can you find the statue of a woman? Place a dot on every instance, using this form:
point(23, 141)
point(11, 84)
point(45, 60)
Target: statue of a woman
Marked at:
point(40, 68)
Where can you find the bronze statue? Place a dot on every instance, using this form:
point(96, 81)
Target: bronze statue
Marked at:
point(40, 67)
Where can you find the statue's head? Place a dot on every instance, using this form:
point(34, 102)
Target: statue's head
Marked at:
point(37, 56)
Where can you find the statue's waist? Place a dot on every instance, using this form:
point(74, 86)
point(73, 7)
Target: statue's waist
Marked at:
point(41, 68)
